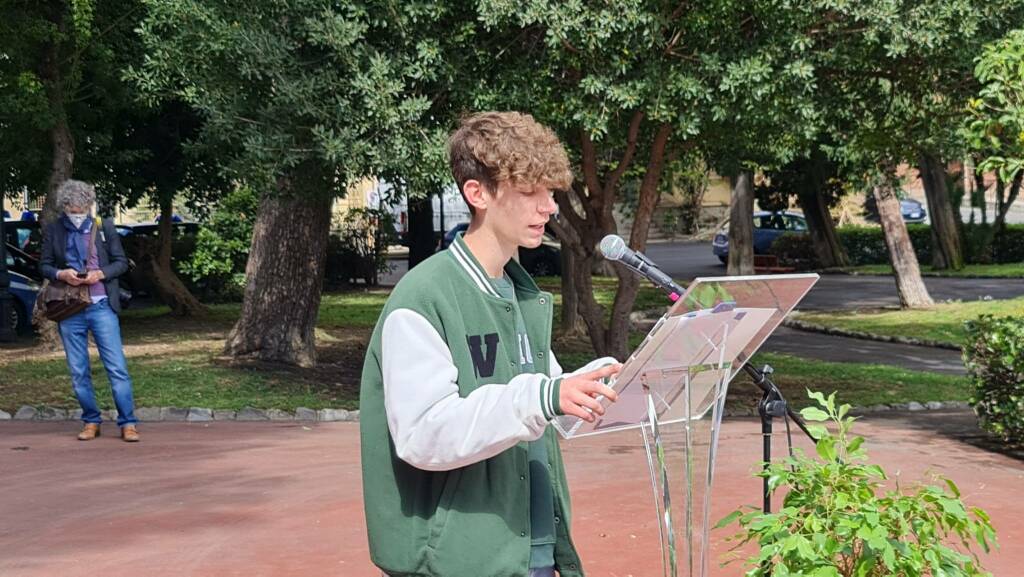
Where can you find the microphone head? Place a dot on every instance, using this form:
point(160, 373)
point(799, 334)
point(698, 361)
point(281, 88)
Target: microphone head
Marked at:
point(613, 247)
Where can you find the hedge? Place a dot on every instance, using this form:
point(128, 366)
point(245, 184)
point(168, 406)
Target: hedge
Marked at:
point(866, 245)
point(994, 357)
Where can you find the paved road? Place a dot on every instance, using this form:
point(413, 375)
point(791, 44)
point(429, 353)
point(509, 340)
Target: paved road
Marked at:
point(285, 499)
point(846, 350)
point(835, 291)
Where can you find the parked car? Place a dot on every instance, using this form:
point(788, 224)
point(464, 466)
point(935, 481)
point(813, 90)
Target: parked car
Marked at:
point(26, 235)
point(147, 228)
point(545, 260)
point(912, 210)
point(23, 272)
point(768, 226)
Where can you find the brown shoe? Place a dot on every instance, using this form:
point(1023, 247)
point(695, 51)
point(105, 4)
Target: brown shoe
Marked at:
point(129, 434)
point(89, 432)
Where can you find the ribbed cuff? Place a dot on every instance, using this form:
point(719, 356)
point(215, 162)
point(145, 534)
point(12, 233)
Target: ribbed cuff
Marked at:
point(549, 404)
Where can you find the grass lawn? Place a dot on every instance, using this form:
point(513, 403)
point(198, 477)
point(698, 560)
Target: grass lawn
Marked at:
point(184, 380)
point(943, 322)
point(177, 362)
point(1013, 270)
point(859, 384)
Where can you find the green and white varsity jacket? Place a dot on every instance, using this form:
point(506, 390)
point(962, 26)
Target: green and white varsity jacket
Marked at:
point(445, 421)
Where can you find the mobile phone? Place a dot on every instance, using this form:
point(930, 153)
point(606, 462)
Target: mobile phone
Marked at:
point(81, 274)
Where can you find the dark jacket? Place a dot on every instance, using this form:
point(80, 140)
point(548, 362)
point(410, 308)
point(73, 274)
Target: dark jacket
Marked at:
point(113, 261)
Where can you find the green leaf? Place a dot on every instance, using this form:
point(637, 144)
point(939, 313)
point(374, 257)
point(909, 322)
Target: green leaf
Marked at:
point(855, 444)
point(827, 449)
point(813, 414)
point(728, 519)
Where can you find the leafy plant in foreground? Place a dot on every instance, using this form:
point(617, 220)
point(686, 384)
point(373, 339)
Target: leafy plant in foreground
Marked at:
point(837, 520)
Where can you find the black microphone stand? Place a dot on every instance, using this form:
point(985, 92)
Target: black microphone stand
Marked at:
point(772, 405)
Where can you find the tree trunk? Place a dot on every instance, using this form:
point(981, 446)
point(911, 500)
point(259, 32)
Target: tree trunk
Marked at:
point(567, 237)
point(62, 162)
point(1005, 202)
point(284, 279)
point(947, 248)
point(911, 289)
point(420, 233)
point(693, 205)
point(168, 286)
point(741, 225)
point(617, 339)
point(596, 195)
point(822, 230)
point(978, 196)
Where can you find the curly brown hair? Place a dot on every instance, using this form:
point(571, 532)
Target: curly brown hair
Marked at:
point(493, 147)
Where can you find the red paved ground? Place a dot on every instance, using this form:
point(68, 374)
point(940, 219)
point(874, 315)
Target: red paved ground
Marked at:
point(261, 499)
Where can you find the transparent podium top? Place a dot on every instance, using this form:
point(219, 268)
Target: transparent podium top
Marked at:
point(695, 349)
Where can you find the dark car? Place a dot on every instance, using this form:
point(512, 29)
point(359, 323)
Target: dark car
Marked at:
point(912, 210)
point(151, 228)
point(25, 235)
point(768, 226)
point(545, 260)
point(25, 279)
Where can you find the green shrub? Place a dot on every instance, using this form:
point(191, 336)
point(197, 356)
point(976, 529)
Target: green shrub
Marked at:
point(217, 264)
point(994, 357)
point(359, 250)
point(836, 520)
point(863, 244)
point(1009, 245)
point(795, 249)
point(866, 245)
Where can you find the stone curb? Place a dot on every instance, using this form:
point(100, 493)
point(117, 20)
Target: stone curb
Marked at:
point(815, 328)
point(189, 415)
point(912, 406)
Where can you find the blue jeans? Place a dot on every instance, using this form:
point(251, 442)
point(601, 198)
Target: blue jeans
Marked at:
point(74, 331)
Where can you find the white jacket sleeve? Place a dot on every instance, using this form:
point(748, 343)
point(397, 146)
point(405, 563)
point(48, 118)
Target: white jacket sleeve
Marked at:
point(435, 429)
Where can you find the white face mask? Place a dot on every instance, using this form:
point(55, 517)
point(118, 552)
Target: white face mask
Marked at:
point(77, 219)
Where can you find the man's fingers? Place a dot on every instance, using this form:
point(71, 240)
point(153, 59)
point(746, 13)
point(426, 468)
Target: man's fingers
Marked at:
point(603, 373)
point(608, 392)
point(578, 411)
point(595, 388)
point(589, 402)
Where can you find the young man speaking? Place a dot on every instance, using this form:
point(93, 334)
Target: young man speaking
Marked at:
point(462, 477)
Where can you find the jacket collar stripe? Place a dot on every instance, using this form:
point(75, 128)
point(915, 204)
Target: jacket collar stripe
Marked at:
point(481, 282)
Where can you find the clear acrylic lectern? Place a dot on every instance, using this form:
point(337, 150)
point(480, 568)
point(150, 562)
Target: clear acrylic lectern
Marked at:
point(673, 389)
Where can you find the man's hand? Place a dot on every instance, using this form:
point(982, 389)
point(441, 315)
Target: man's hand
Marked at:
point(579, 393)
point(69, 275)
point(94, 277)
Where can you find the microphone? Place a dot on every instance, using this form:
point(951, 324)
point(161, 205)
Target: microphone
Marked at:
point(614, 248)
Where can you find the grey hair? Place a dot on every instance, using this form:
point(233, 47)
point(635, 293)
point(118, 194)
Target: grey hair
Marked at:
point(75, 193)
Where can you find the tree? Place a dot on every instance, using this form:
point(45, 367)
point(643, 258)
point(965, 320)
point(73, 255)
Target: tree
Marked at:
point(58, 89)
point(630, 87)
point(151, 160)
point(996, 123)
point(817, 185)
point(301, 98)
point(880, 69)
